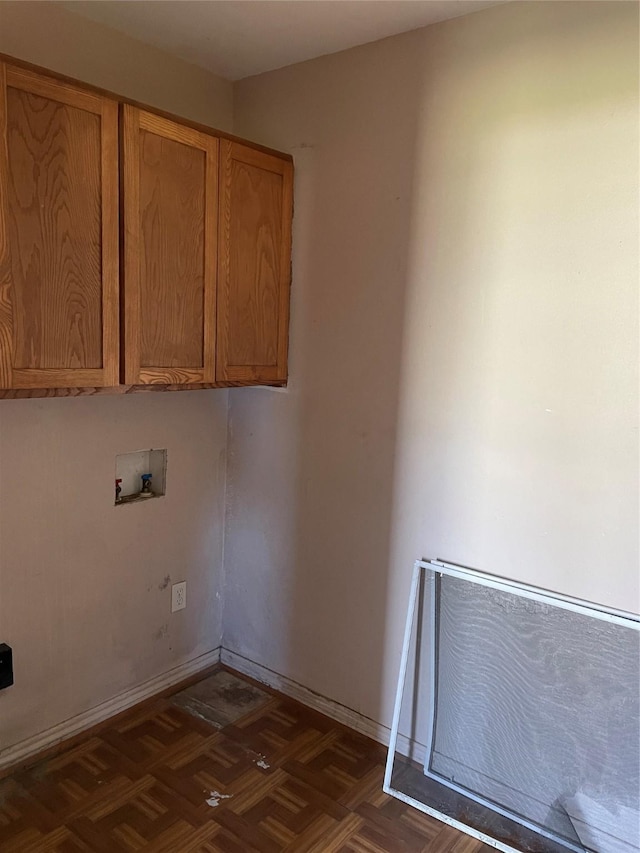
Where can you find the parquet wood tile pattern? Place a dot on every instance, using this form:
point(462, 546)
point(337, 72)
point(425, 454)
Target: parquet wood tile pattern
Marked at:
point(283, 779)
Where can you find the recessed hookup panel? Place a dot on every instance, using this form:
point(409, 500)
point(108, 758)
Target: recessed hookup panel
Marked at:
point(140, 475)
point(6, 666)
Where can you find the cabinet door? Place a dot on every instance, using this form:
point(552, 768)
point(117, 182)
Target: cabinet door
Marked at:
point(254, 265)
point(58, 234)
point(170, 204)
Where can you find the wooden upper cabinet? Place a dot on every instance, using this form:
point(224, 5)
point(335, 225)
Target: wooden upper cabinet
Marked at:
point(58, 233)
point(170, 208)
point(135, 248)
point(254, 265)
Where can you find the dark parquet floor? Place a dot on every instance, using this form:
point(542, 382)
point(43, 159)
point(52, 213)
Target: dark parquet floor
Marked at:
point(284, 778)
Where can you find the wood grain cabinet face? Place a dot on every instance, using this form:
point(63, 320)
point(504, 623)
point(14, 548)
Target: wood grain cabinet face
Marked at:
point(58, 234)
point(201, 227)
point(170, 204)
point(254, 265)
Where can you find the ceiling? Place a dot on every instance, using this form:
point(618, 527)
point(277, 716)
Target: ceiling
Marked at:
point(238, 38)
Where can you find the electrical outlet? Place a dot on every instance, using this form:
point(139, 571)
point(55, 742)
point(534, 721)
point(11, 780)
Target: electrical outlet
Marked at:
point(178, 596)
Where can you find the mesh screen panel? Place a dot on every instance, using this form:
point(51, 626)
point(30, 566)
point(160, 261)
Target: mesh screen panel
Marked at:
point(521, 718)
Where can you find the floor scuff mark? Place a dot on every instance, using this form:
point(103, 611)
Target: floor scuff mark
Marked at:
point(215, 797)
point(220, 699)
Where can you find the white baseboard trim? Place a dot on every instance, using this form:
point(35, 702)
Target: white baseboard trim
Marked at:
point(62, 731)
point(329, 707)
point(22, 751)
point(347, 716)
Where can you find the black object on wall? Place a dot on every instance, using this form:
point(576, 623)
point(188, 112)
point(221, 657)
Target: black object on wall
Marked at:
point(6, 666)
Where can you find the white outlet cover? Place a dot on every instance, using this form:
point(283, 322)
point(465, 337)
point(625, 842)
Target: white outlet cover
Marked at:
point(178, 596)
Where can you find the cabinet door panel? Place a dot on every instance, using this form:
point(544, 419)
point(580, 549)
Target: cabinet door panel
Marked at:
point(254, 265)
point(58, 234)
point(170, 219)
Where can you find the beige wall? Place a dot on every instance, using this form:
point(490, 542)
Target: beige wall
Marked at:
point(49, 35)
point(463, 368)
point(83, 594)
point(464, 344)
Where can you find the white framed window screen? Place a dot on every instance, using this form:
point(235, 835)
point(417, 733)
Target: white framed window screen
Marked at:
point(517, 714)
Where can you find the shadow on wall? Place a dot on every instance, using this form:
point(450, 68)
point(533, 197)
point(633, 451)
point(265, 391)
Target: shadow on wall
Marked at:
point(461, 382)
point(311, 470)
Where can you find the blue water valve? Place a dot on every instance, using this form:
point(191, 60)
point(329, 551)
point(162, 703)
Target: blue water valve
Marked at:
point(146, 486)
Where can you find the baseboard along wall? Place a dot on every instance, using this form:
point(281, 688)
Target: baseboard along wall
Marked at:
point(55, 735)
point(26, 749)
point(347, 716)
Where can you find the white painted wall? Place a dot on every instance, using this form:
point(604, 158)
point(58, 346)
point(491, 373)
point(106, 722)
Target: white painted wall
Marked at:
point(464, 339)
point(463, 368)
point(47, 34)
point(84, 586)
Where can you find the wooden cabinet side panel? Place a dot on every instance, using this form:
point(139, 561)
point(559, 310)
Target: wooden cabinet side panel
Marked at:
point(254, 265)
point(6, 309)
point(285, 272)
